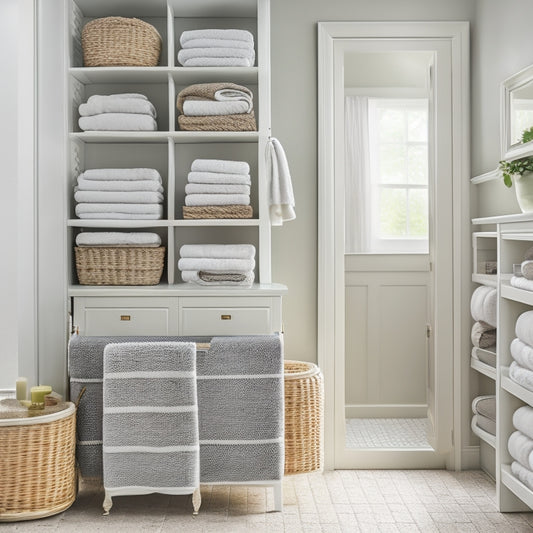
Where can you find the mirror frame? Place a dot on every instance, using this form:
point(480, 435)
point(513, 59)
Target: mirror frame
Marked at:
point(513, 151)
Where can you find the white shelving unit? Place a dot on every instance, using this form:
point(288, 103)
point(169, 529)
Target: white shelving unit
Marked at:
point(171, 151)
point(514, 235)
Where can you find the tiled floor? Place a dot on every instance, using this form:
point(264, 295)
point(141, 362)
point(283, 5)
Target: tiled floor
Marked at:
point(348, 501)
point(386, 433)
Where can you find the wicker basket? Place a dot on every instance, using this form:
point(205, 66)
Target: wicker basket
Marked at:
point(304, 418)
point(120, 42)
point(119, 265)
point(37, 465)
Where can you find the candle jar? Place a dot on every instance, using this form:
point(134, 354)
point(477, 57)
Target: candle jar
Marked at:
point(38, 393)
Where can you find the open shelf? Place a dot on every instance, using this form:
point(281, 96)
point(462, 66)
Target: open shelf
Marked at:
point(483, 435)
point(486, 279)
point(516, 486)
point(164, 136)
point(482, 367)
point(515, 294)
point(514, 388)
point(90, 223)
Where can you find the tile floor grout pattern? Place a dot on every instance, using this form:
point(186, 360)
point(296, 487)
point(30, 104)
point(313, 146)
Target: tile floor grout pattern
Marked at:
point(386, 433)
point(344, 501)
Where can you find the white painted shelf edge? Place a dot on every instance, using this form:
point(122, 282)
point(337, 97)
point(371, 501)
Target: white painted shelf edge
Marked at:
point(516, 486)
point(502, 219)
point(483, 435)
point(514, 388)
point(486, 279)
point(482, 367)
point(186, 137)
point(86, 223)
point(518, 295)
point(487, 176)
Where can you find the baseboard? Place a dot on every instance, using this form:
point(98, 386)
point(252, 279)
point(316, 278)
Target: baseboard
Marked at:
point(470, 458)
point(386, 411)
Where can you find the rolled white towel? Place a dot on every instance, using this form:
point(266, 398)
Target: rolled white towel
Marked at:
point(522, 353)
point(119, 185)
point(524, 327)
point(522, 283)
point(229, 251)
point(121, 174)
point(117, 105)
point(208, 188)
point(227, 265)
point(145, 209)
point(483, 305)
point(117, 197)
point(217, 199)
point(244, 279)
point(190, 53)
point(520, 447)
point(218, 177)
point(118, 122)
point(100, 97)
point(523, 474)
point(218, 62)
point(115, 238)
point(218, 43)
point(228, 34)
point(521, 375)
point(220, 165)
point(204, 108)
point(526, 268)
point(523, 420)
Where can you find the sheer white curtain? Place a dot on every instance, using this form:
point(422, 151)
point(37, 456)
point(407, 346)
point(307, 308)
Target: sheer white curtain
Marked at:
point(357, 168)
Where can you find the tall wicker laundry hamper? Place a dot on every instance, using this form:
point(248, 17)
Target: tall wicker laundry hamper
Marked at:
point(304, 417)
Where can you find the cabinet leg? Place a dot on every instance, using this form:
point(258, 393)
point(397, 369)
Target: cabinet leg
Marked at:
point(108, 503)
point(278, 496)
point(196, 500)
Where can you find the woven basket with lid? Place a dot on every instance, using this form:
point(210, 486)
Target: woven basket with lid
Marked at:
point(120, 42)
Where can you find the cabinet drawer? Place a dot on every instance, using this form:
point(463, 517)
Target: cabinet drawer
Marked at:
point(126, 321)
point(225, 321)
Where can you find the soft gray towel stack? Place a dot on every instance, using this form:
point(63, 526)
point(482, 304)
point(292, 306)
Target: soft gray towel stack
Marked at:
point(484, 409)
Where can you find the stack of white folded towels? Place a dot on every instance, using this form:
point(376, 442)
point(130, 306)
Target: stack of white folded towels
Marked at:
point(219, 184)
point(217, 264)
point(484, 409)
point(524, 279)
point(483, 310)
point(118, 112)
point(107, 239)
point(119, 193)
point(521, 369)
point(217, 48)
point(520, 445)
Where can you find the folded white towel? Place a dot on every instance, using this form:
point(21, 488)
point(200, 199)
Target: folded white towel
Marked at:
point(521, 375)
point(220, 165)
point(229, 34)
point(522, 353)
point(218, 43)
point(524, 327)
point(218, 177)
point(228, 251)
point(483, 305)
point(244, 279)
point(118, 197)
point(119, 216)
point(115, 238)
point(100, 97)
point(523, 474)
point(118, 105)
point(190, 53)
point(281, 193)
point(203, 108)
point(217, 199)
point(213, 188)
point(118, 122)
point(520, 447)
point(228, 265)
point(218, 62)
point(523, 420)
point(132, 209)
point(522, 283)
point(119, 185)
point(121, 174)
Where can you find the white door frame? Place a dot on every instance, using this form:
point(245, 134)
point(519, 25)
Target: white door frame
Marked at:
point(331, 239)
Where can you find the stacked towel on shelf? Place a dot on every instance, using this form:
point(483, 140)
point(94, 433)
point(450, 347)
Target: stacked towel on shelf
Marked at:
point(520, 445)
point(218, 189)
point(483, 305)
point(483, 335)
point(524, 280)
point(119, 193)
point(216, 107)
point(521, 369)
point(484, 409)
point(118, 239)
point(217, 264)
point(217, 48)
point(117, 112)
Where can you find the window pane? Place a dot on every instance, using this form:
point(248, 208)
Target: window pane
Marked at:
point(417, 125)
point(417, 157)
point(418, 212)
point(393, 213)
point(392, 163)
point(391, 125)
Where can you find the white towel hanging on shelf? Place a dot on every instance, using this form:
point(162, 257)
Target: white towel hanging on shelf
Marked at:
point(281, 194)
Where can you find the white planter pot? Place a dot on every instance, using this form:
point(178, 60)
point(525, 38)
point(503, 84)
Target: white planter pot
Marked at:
point(524, 191)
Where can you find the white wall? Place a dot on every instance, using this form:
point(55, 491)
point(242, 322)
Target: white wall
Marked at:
point(8, 198)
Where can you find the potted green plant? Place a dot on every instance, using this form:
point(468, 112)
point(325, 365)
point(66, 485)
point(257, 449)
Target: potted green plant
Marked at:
point(521, 172)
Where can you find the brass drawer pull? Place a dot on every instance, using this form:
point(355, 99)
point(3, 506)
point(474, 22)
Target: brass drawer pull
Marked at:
point(225, 317)
point(125, 317)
